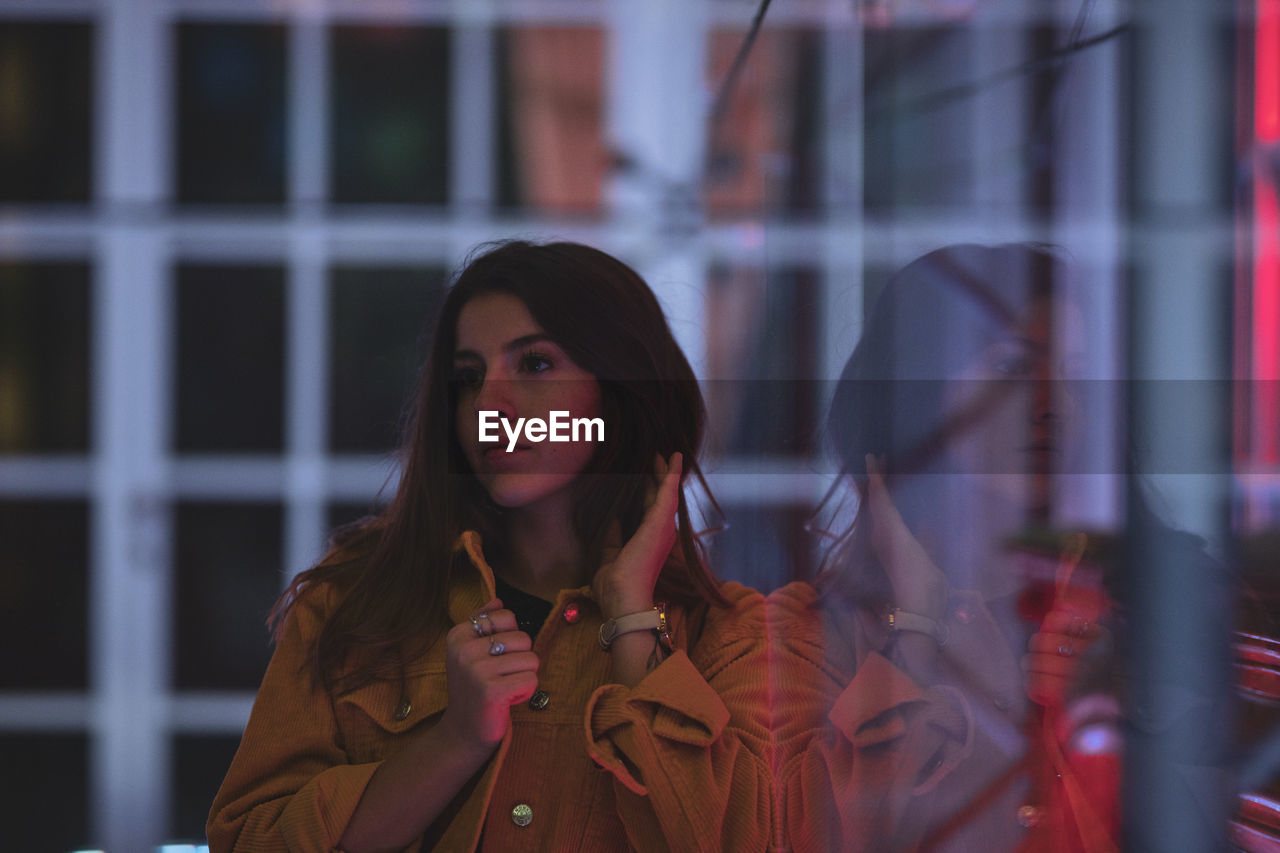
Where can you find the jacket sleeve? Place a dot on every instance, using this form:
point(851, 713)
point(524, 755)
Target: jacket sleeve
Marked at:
point(864, 762)
point(290, 786)
point(689, 746)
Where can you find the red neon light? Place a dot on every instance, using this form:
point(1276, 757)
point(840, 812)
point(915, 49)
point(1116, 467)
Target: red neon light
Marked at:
point(1266, 247)
point(1266, 89)
point(1266, 321)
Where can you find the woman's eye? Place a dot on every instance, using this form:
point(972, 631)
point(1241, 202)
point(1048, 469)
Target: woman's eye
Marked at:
point(1014, 365)
point(467, 377)
point(532, 362)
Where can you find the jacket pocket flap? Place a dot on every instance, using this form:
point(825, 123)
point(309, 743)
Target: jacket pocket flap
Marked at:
point(394, 709)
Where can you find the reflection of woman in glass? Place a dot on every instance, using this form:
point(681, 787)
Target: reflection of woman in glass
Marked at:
point(934, 690)
point(425, 694)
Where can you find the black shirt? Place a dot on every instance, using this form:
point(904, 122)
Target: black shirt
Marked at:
point(530, 610)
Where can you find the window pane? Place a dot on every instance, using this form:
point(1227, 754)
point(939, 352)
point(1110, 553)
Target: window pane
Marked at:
point(378, 317)
point(45, 111)
point(762, 351)
point(551, 153)
point(43, 577)
point(345, 512)
point(227, 559)
point(44, 779)
point(199, 764)
point(230, 113)
point(764, 547)
point(389, 115)
point(230, 347)
point(766, 151)
point(918, 149)
point(44, 357)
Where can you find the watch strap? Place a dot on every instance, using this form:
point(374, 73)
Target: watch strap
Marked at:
point(654, 620)
point(902, 620)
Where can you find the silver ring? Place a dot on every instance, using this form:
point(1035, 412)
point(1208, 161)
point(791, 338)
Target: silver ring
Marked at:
point(475, 626)
point(496, 647)
point(1065, 650)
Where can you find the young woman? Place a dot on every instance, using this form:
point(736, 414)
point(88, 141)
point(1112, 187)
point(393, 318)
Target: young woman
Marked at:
point(525, 650)
point(936, 690)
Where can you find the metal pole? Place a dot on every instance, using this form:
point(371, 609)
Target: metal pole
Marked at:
point(1177, 789)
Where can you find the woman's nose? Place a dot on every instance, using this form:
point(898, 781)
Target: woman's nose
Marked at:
point(1045, 406)
point(495, 395)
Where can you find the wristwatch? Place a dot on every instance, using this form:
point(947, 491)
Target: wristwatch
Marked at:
point(901, 620)
point(646, 620)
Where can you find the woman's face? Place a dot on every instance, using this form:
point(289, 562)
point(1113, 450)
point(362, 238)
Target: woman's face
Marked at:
point(1018, 435)
point(505, 362)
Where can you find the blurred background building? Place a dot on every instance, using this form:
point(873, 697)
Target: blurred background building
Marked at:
point(225, 225)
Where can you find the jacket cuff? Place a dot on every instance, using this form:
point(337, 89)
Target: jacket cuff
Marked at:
point(673, 703)
point(869, 710)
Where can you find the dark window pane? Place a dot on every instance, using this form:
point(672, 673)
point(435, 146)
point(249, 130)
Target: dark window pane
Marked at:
point(230, 376)
point(389, 117)
point(45, 111)
point(346, 512)
point(766, 147)
point(918, 145)
point(764, 547)
point(43, 602)
point(378, 315)
point(231, 113)
point(44, 779)
point(227, 560)
point(44, 357)
point(199, 764)
point(764, 399)
point(551, 151)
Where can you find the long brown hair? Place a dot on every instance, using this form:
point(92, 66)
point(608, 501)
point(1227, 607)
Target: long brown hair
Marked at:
point(393, 570)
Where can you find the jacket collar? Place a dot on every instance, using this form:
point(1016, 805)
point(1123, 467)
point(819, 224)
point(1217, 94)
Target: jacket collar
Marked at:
point(471, 590)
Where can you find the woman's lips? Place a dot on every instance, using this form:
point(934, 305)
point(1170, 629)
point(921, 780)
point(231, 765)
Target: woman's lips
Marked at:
point(498, 458)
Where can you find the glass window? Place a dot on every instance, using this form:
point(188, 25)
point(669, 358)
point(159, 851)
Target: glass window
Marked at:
point(345, 512)
point(45, 111)
point(199, 764)
point(919, 124)
point(764, 547)
point(389, 120)
point(230, 348)
point(763, 352)
point(43, 581)
point(551, 153)
point(45, 780)
point(230, 114)
point(765, 151)
point(44, 357)
point(228, 561)
point(379, 315)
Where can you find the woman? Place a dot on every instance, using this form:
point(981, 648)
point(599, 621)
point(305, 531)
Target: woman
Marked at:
point(932, 687)
point(426, 694)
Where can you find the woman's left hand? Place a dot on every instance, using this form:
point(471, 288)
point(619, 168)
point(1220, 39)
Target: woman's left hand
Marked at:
point(625, 581)
point(1052, 662)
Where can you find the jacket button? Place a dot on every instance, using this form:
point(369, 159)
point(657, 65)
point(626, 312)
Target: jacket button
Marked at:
point(572, 613)
point(539, 700)
point(402, 710)
point(522, 815)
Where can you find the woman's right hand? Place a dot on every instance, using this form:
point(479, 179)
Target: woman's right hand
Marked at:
point(918, 584)
point(483, 685)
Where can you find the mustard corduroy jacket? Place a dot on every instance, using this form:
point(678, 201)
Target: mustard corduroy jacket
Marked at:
point(681, 761)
